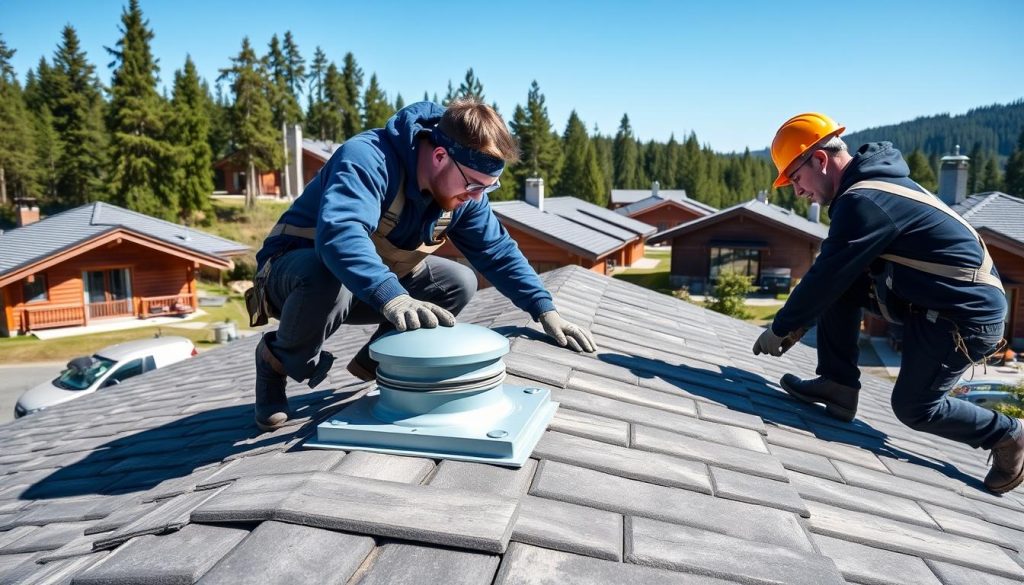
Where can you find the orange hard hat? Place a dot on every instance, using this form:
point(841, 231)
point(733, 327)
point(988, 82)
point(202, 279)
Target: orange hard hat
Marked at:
point(798, 135)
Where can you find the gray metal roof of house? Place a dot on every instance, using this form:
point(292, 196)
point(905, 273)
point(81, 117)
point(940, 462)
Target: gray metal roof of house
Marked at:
point(627, 196)
point(36, 241)
point(769, 211)
point(674, 458)
point(320, 148)
point(661, 197)
point(996, 211)
point(578, 237)
point(598, 218)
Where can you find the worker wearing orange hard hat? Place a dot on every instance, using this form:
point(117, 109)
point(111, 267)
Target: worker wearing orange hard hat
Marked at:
point(896, 249)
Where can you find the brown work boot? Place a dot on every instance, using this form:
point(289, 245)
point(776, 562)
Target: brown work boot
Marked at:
point(840, 401)
point(1007, 463)
point(271, 400)
point(363, 366)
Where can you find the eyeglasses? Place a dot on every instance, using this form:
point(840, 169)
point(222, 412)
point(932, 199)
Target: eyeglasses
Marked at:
point(475, 188)
point(807, 157)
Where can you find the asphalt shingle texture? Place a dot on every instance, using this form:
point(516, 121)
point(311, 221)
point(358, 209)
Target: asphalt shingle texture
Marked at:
point(674, 458)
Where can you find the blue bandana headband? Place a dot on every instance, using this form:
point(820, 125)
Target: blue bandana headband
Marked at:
point(474, 159)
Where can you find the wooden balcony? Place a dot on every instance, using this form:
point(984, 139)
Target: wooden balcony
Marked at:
point(48, 316)
point(166, 305)
point(121, 308)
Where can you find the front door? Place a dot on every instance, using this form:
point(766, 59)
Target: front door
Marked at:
point(108, 293)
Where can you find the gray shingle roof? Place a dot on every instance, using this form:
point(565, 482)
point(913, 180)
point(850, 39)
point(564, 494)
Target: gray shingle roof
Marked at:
point(768, 211)
point(581, 238)
point(598, 218)
point(34, 242)
point(996, 211)
point(662, 197)
point(674, 458)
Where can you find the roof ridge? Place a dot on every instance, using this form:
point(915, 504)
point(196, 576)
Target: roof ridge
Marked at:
point(985, 200)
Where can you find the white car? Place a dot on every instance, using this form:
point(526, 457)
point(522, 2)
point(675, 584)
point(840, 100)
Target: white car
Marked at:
point(108, 367)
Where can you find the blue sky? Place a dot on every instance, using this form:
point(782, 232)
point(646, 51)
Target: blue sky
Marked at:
point(730, 71)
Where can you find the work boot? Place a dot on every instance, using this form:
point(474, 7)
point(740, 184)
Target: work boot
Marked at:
point(363, 366)
point(840, 401)
point(271, 400)
point(1007, 463)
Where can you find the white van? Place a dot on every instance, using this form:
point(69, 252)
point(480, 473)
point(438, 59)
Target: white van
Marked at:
point(108, 367)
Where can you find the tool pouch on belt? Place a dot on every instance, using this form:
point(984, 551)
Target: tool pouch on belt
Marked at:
point(256, 298)
point(889, 306)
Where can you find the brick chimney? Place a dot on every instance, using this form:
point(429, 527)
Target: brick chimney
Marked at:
point(535, 192)
point(27, 210)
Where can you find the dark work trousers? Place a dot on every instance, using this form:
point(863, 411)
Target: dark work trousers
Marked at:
point(932, 362)
point(313, 304)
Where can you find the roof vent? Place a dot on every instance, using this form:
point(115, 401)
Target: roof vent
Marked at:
point(443, 395)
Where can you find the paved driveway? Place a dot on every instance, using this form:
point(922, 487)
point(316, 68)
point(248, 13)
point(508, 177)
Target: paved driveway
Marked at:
point(16, 379)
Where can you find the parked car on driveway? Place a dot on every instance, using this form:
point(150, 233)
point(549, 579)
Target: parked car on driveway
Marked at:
point(106, 368)
point(986, 393)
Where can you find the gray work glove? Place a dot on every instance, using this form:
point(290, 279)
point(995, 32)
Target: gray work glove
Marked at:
point(406, 314)
point(770, 343)
point(566, 334)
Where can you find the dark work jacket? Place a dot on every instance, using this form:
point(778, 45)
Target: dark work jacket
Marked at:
point(867, 223)
point(346, 199)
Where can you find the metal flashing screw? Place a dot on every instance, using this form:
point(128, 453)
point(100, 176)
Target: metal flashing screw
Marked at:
point(532, 390)
point(497, 434)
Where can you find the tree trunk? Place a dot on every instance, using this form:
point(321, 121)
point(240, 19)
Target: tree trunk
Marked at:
point(250, 189)
point(3, 187)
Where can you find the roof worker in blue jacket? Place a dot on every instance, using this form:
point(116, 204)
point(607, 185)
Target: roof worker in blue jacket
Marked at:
point(356, 246)
point(897, 249)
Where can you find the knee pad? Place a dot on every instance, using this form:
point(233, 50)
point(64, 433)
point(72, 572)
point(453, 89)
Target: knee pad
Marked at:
point(323, 367)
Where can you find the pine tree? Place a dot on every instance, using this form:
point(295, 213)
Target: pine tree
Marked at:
point(376, 108)
point(669, 169)
point(188, 131)
point(295, 65)
point(1015, 169)
point(75, 102)
point(218, 110)
point(48, 146)
point(471, 87)
point(316, 107)
point(353, 76)
point(256, 139)
point(581, 176)
point(17, 139)
point(541, 148)
point(627, 157)
point(332, 111)
point(605, 159)
point(921, 171)
point(284, 104)
point(449, 95)
point(990, 179)
point(139, 152)
point(399, 102)
point(976, 164)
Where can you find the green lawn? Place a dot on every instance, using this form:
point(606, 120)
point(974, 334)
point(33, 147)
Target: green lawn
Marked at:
point(653, 278)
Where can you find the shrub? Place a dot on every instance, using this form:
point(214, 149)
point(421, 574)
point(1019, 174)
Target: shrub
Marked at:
point(729, 293)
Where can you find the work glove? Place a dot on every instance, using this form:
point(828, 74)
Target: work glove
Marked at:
point(770, 343)
point(566, 334)
point(406, 314)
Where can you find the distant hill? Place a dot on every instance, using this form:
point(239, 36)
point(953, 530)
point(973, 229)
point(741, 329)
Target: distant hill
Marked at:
point(994, 128)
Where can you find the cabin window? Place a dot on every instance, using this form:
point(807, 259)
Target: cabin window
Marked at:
point(735, 260)
point(34, 289)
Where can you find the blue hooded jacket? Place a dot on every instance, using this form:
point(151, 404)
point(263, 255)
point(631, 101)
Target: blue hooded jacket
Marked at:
point(347, 198)
point(867, 223)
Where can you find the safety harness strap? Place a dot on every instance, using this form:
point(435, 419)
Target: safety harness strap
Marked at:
point(982, 274)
